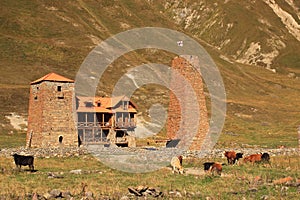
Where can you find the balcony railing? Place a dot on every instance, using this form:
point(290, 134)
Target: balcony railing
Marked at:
point(92, 124)
point(119, 124)
point(125, 124)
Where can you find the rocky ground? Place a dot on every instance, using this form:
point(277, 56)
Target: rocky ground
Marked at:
point(77, 151)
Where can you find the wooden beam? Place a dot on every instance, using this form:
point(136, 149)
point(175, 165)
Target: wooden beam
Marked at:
point(103, 119)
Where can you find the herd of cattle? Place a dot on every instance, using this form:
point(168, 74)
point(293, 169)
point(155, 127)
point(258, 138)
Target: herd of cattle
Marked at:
point(176, 162)
point(216, 167)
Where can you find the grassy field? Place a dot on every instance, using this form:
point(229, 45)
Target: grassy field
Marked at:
point(236, 182)
point(12, 140)
point(42, 37)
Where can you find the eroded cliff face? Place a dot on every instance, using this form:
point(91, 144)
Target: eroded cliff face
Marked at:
point(286, 18)
point(250, 32)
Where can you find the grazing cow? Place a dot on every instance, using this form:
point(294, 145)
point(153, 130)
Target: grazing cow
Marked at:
point(232, 157)
point(207, 166)
point(176, 163)
point(258, 158)
point(238, 156)
point(24, 160)
point(253, 158)
point(213, 167)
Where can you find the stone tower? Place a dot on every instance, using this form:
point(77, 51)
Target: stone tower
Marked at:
point(50, 116)
point(184, 65)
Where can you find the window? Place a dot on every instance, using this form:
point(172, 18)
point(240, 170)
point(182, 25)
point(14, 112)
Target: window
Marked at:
point(90, 117)
point(88, 104)
point(60, 139)
point(81, 117)
point(125, 105)
point(59, 88)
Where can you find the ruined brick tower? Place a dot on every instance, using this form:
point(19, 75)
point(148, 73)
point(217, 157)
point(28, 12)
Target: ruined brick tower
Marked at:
point(50, 118)
point(184, 65)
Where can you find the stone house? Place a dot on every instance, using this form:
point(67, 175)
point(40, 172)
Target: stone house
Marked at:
point(52, 121)
point(103, 119)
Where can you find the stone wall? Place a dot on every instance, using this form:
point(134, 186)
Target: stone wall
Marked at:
point(184, 65)
point(78, 151)
point(50, 115)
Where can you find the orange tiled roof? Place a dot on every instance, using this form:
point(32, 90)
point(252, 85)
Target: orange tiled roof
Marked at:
point(52, 77)
point(106, 104)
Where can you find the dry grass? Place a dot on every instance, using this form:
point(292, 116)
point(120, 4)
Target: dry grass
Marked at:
point(53, 36)
point(13, 139)
point(236, 182)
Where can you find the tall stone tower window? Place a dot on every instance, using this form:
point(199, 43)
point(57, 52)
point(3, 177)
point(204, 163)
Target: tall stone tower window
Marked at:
point(59, 88)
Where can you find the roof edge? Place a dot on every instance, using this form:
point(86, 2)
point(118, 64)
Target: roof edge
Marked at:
point(52, 77)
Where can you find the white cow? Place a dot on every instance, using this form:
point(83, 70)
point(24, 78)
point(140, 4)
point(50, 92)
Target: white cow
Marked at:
point(176, 163)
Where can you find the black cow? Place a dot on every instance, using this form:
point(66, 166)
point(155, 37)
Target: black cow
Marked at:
point(237, 157)
point(24, 160)
point(207, 165)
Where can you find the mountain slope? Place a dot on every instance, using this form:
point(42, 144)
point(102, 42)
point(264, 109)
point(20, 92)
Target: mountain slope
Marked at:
point(263, 33)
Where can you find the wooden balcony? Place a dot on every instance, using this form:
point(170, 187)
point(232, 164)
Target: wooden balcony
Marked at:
point(119, 124)
point(93, 124)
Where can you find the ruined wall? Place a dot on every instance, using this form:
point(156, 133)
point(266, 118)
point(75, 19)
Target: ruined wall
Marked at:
point(184, 65)
point(50, 115)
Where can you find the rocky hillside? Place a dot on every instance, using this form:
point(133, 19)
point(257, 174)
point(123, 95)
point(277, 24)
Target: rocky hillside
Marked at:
point(262, 33)
point(41, 36)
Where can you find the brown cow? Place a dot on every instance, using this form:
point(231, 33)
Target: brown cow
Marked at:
point(257, 158)
point(216, 167)
point(213, 167)
point(253, 158)
point(232, 157)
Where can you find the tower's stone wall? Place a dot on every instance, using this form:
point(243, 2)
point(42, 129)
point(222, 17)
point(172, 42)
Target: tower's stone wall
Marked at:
point(184, 65)
point(50, 116)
